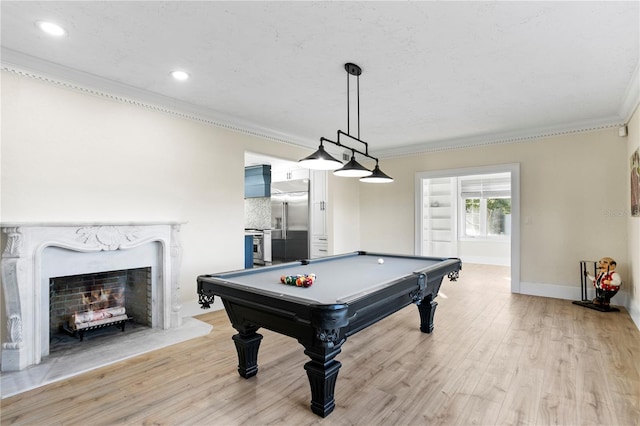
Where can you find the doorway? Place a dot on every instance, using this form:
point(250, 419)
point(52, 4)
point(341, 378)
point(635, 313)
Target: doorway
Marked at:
point(471, 213)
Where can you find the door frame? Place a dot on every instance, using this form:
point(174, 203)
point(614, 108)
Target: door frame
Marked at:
point(514, 170)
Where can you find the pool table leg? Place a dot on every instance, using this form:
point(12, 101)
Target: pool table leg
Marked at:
point(247, 344)
point(427, 308)
point(323, 373)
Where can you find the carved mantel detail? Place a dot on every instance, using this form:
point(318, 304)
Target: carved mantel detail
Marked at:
point(13, 248)
point(14, 333)
point(107, 238)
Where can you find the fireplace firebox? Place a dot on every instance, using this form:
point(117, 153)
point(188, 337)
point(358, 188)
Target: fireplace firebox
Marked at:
point(81, 303)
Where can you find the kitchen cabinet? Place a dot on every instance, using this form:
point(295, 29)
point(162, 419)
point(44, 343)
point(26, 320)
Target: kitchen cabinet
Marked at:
point(292, 173)
point(318, 214)
point(248, 251)
point(257, 181)
point(319, 246)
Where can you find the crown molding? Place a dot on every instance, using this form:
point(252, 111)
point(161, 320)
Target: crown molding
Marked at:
point(29, 66)
point(501, 138)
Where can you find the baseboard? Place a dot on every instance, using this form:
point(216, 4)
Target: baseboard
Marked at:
point(570, 293)
point(634, 312)
point(497, 261)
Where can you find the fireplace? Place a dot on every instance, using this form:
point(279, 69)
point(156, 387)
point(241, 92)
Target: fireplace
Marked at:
point(85, 302)
point(41, 261)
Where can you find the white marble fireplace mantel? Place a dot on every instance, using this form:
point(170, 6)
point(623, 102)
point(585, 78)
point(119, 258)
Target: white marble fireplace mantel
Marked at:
point(33, 250)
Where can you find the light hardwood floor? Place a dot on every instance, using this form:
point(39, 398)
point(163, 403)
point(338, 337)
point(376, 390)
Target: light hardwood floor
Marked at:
point(493, 358)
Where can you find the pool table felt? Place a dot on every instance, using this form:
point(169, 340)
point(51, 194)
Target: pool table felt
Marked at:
point(337, 280)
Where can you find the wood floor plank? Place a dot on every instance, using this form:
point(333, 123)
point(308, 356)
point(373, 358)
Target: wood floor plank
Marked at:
point(555, 410)
point(479, 411)
point(520, 406)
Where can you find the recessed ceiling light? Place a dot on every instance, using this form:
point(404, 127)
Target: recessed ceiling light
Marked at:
point(51, 28)
point(179, 75)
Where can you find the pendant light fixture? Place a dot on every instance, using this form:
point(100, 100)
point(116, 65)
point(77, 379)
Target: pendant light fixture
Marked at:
point(321, 160)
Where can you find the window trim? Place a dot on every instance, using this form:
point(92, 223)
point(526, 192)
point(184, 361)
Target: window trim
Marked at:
point(484, 236)
point(482, 187)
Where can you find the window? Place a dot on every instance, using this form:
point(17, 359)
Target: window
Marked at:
point(485, 208)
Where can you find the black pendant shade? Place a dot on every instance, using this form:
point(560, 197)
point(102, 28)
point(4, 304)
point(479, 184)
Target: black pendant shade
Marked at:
point(321, 160)
point(378, 176)
point(352, 169)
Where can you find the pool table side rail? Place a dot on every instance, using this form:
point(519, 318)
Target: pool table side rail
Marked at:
point(219, 287)
point(419, 288)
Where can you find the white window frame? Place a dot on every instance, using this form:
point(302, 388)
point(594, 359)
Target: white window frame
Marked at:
point(462, 225)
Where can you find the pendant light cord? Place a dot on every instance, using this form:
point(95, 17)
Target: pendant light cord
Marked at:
point(348, 105)
point(358, 90)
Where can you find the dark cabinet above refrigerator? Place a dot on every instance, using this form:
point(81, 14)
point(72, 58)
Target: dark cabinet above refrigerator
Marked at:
point(257, 181)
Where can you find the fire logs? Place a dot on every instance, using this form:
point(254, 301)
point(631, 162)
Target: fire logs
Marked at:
point(82, 320)
point(90, 320)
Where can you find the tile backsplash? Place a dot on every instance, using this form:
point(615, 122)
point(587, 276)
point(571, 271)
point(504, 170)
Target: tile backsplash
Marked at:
point(257, 213)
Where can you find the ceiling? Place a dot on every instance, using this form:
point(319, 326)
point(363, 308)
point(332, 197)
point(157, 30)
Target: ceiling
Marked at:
point(435, 75)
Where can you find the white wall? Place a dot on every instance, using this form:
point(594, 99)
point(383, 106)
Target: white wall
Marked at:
point(633, 225)
point(69, 156)
point(486, 252)
point(571, 188)
point(344, 214)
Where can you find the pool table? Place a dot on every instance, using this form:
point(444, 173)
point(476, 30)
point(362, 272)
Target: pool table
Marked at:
point(350, 292)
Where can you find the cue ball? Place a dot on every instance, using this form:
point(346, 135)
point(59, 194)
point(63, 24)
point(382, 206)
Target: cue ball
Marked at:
point(381, 261)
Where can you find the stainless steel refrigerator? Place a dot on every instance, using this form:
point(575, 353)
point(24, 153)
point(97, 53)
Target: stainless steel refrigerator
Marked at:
point(289, 220)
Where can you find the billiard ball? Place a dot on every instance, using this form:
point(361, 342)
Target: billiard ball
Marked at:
point(381, 261)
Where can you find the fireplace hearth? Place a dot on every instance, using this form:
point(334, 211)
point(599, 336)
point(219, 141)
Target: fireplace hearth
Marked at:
point(36, 257)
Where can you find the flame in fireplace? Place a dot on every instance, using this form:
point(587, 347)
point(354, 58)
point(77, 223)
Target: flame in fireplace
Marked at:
point(102, 298)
